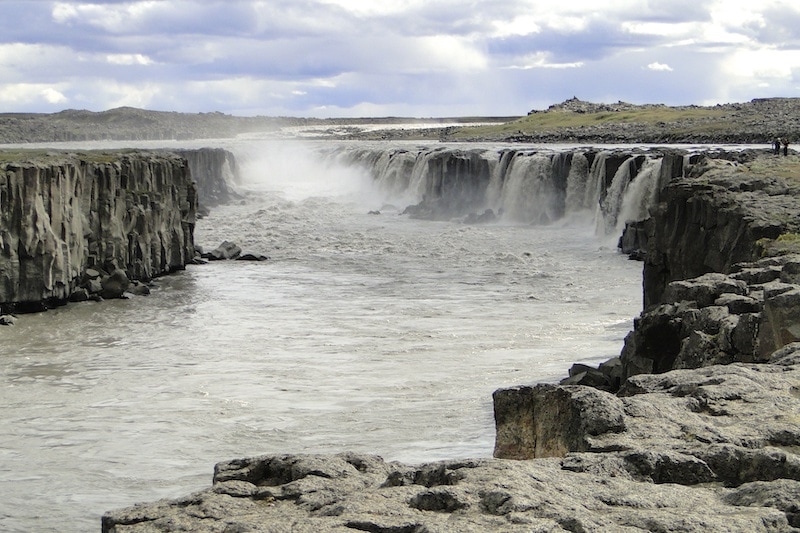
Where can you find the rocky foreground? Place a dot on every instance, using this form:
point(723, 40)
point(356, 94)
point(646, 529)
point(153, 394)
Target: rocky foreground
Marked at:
point(695, 427)
point(714, 449)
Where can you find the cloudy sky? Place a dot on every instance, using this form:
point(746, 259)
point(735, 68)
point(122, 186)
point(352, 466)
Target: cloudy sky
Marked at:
point(332, 58)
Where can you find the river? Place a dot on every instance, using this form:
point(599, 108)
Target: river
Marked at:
point(374, 333)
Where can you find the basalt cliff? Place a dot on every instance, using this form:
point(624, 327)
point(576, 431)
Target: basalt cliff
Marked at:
point(695, 426)
point(92, 224)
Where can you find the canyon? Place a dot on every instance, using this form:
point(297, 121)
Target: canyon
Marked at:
point(693, 427)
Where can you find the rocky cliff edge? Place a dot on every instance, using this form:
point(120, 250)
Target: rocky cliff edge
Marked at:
point(65, 218)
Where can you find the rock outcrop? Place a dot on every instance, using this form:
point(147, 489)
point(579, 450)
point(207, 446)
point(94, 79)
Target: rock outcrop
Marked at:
point(713, 449)
point(718, 216)
point(63, 214)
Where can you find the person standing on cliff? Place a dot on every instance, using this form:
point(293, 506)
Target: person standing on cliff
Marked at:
point(776, 146)
point(785, 146)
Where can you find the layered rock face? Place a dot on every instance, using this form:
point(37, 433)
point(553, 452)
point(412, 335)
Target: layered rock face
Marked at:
point(63, 214)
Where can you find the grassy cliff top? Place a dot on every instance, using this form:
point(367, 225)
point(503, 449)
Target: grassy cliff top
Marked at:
point(23, 156)
point(574, 120)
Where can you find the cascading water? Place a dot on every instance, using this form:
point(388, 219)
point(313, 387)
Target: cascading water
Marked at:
point(640, 193)
point(530, 193)
point(528, 186)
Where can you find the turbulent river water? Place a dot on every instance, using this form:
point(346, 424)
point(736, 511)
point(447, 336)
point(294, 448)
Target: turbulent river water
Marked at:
point(364, 332)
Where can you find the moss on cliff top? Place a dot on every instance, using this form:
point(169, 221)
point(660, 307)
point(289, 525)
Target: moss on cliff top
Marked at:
point(50, 156)
point(657, 116)
point(776, 166)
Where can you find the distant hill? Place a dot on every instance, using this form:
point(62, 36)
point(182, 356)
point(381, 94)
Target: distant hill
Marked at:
point(132, 124)
point(572, 121)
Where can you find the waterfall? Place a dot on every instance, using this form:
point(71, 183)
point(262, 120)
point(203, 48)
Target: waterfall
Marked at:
point(611, 204)
point(640, 194)
point(577, 183)
point(530, 193)
point(519, 185)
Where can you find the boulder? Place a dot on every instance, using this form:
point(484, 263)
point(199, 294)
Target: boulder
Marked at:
point(252, 257)
point(115, 284)
point(780, 322)
point(549, 421)
point(226, 250)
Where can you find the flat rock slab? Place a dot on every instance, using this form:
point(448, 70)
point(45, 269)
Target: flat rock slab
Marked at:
point(350, 492)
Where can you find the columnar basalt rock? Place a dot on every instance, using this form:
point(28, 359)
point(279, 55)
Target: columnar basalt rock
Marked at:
point(65, 213)
point(715, 218)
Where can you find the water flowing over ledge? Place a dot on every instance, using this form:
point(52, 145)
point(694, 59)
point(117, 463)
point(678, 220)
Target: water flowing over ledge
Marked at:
point(520, 185)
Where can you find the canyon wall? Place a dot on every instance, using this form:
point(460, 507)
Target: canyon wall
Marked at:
point(708, 442)
point(63, 214)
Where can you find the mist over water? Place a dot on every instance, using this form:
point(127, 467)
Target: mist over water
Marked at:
point(372, 333)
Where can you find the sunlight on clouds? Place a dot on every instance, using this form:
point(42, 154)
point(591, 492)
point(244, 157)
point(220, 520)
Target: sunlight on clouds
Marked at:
point(662, 29)
point(371, 8)
point(450, 53)
point(659, 67)
point(126, 94)
point(52, 96)
point(738, 15)
point(730, 22)
point(541, 60)
point(128, 59)
point(764, 63)
point(524, 25)
point(30, 93)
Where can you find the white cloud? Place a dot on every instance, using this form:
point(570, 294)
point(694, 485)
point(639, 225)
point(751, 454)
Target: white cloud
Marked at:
point(659, 67)
point(128, 59)
point(53, 96)
point(543, 60)
point(763, 64)
point(21, 95)
point(373, 8)
point(391, 56)
point(522, 25)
